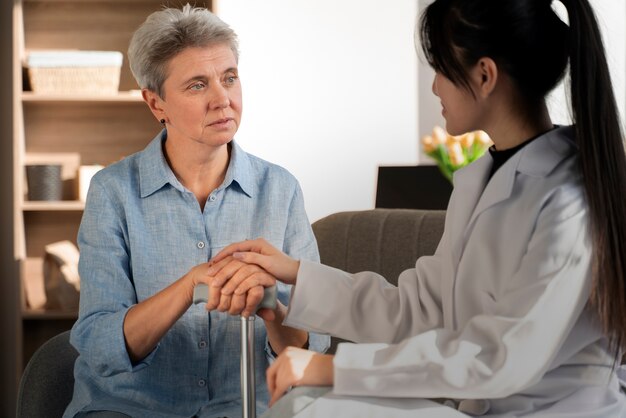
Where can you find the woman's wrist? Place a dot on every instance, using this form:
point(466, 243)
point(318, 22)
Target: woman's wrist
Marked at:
point(188, 285)
point(281, 336)
point(279, 315)
point(294, 273)
point(326, 369)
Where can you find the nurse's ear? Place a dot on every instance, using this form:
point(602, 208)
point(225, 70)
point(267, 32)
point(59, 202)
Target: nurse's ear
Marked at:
point(484, 77)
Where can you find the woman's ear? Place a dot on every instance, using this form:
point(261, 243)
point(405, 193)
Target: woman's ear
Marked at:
point(485, 75)
point(154, 102)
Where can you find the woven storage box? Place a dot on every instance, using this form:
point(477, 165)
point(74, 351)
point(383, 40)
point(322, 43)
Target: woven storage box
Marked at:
point(44, 182)
point(74, 72)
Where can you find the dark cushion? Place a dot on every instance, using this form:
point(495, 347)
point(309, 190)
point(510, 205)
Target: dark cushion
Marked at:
point(47, 383)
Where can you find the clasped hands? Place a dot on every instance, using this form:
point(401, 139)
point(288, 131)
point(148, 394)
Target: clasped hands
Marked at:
point(238, 274)
point(237, 277)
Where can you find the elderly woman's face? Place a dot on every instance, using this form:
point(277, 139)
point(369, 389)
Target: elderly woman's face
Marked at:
point(203, 95)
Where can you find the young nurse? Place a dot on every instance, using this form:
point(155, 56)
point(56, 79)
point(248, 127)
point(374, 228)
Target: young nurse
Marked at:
point(522, 309)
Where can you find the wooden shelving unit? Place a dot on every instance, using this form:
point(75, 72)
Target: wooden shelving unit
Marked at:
point(37, 314)
point(122, 97)
point(69, 129)
point(69, 205)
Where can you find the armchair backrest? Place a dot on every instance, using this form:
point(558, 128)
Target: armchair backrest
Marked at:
point(47, 383)
point(386, 241)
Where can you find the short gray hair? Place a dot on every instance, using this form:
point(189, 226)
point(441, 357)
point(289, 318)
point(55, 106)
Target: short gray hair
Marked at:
point(168, 32)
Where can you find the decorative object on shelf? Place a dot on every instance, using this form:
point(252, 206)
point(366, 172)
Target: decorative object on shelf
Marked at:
point(44, 182)
point(60, 273)
point(453, 152)
point(85, 173)
point(34, 294)
point(74, 72)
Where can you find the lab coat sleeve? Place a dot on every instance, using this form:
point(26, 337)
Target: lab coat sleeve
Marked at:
point(365, 307)
point(493, 355)
point(498, 354)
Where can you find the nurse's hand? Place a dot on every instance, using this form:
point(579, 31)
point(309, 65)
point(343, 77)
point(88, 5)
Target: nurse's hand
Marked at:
point(249, 277)
point(298, 367)
point(263, 254)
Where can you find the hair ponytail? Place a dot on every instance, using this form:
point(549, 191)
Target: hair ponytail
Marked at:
point(603, 164)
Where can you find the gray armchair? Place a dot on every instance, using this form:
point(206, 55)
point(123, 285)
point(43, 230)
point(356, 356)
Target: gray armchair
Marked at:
point(48, 381)
point(386, 241)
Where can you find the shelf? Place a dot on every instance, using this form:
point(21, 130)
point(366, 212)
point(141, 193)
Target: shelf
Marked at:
point(91, 1)
point(37, 314)
point(64, 205)
point(68, 129)
point(133, 96)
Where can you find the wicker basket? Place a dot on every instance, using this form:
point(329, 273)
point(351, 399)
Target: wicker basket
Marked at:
point(74, 72)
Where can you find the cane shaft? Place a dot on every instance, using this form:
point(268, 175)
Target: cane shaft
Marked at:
point(248, 393)
point(247, 362)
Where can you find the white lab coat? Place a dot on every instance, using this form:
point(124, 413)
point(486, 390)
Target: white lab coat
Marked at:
point(497, 314)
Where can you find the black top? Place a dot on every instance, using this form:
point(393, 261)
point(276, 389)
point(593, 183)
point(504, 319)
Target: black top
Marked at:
point(501, 157)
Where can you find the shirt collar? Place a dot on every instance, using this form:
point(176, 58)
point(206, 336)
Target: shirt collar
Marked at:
point(239, 170)
point(155, 172)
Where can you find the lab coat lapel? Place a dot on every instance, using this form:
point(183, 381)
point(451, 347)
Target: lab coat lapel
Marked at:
point(469, 183)
point(474, 193)
point(499, 188)
point(536, 159)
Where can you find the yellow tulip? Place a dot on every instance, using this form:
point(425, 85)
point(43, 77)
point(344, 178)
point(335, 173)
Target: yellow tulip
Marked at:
point(439, 135)
point(467, 140)
point(483, 138)
point(452, 139)
point(428, 143)
point(456, 153)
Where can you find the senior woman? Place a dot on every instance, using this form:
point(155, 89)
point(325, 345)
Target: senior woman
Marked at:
point(154, 219)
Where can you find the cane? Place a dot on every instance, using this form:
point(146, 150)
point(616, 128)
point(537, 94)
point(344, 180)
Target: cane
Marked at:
point(248, 390)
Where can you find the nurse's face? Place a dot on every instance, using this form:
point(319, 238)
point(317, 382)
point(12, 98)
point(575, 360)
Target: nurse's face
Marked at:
point(202, 95)
point(458, 105)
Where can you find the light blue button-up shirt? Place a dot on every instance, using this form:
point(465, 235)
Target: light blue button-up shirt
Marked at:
point(141, 231)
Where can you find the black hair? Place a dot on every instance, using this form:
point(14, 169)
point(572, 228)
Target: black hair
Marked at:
point(526, 39)
point(529, 42)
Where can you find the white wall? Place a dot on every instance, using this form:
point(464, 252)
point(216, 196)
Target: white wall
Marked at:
point(428, 103)
point(330, 92)
point(611, 16)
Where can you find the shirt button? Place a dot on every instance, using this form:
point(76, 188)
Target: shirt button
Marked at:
point(212, 198)
point(200, 244)
point(202, 344)
point(202, 383)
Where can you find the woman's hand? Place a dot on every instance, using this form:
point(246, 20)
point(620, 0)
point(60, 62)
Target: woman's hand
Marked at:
point(250, 280)
point(298, 367)
point(261, 253)
point(197, 275)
